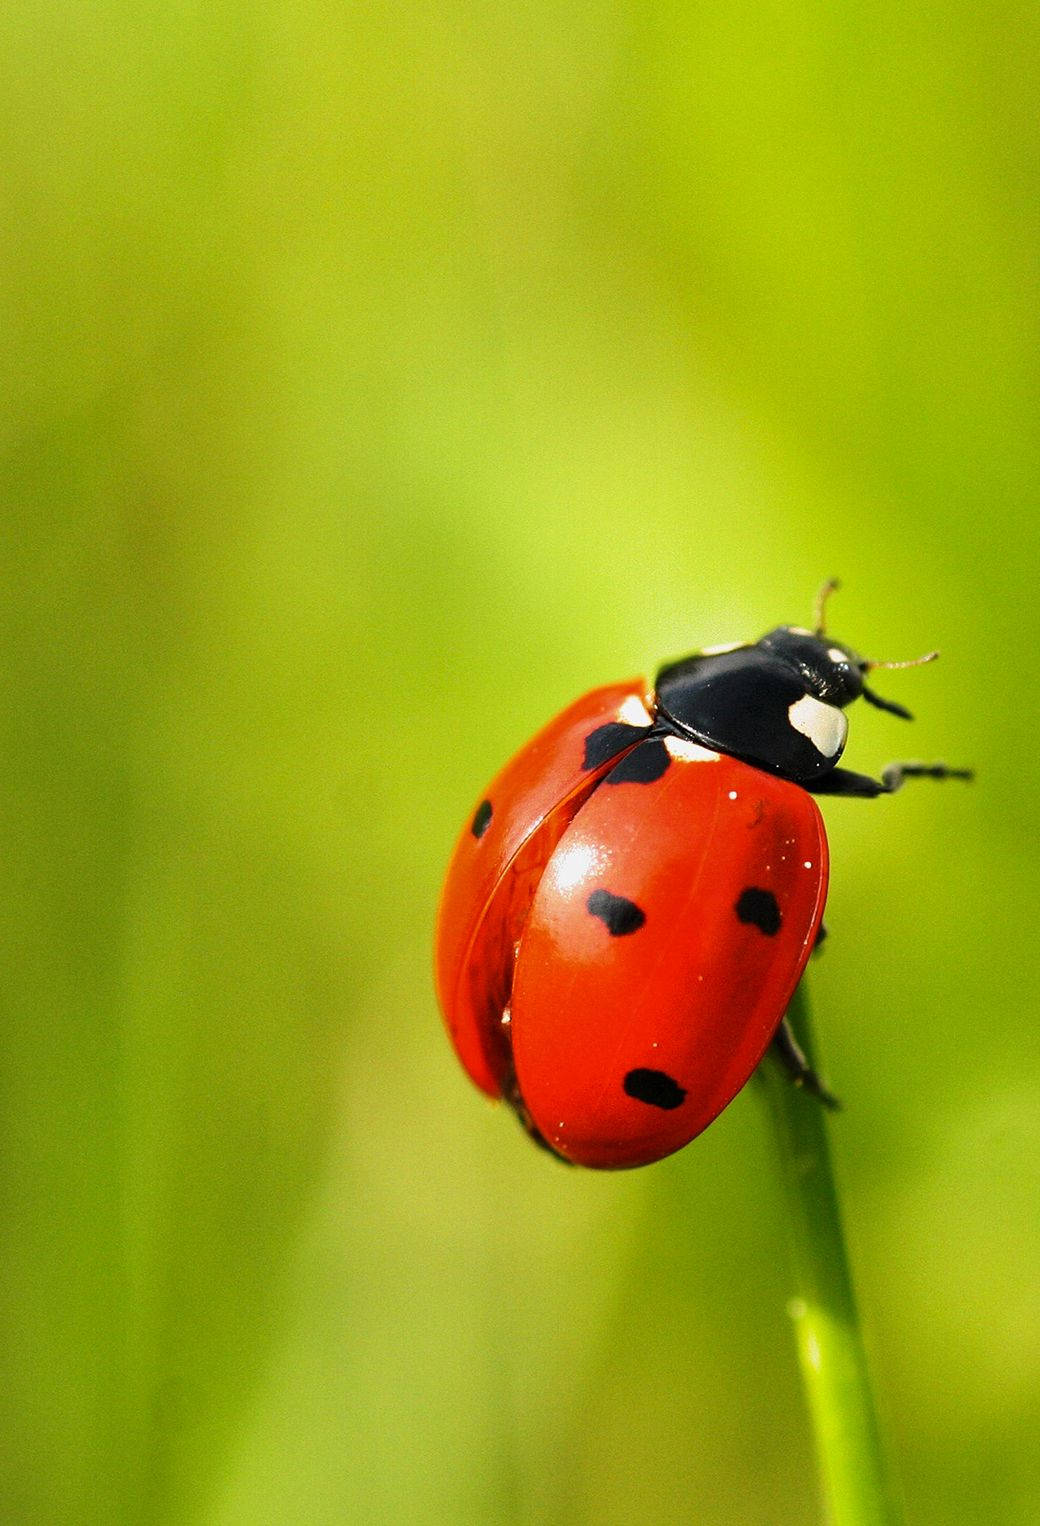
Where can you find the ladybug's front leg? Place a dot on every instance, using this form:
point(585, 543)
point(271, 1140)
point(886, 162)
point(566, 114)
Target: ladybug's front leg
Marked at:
point(842, 781)
point(793, 1058)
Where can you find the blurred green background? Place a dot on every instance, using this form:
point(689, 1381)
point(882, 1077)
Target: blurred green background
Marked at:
point(376, 379)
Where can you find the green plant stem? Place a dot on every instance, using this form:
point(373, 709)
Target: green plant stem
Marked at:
point(830, 1347)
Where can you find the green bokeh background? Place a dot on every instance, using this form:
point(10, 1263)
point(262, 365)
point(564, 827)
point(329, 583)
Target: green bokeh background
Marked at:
point(376, 379)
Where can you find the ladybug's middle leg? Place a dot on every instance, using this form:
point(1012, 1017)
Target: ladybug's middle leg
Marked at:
point(842, 781)
point(793, 1058)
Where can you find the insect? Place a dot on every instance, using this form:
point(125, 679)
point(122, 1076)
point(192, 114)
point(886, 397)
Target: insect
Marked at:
point(633, 901)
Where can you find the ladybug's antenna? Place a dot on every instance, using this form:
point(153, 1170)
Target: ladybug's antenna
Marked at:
point(887, 704)
point(821, 601)
point(911, 662)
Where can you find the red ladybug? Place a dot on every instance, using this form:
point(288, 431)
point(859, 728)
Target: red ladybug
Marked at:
point(630, 907)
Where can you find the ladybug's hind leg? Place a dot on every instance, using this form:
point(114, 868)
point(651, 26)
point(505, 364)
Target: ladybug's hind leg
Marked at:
point(512, 1095)
point(792, 1057)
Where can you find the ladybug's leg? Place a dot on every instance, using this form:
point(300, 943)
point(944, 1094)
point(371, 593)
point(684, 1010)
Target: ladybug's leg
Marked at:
point(792, 1057)
point(511, 1092)
point(841, 781)
point(895, 773)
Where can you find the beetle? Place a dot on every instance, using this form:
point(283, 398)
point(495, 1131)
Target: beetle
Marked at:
point(633, 901)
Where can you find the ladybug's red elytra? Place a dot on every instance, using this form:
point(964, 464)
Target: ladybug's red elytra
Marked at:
point(631, 904)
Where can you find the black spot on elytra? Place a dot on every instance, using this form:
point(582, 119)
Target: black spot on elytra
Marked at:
point(642, 765)
point(618, 915)
point(759, 909)
point(655, 1088)
point(482, 819)
point(607, 741)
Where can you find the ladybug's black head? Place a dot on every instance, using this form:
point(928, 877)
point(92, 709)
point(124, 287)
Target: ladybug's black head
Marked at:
point(776, 704)
point(831, 672)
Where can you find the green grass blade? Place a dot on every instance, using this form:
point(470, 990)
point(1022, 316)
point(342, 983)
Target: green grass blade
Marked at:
point(856, 1487)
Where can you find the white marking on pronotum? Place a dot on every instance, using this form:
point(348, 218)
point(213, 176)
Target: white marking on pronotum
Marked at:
point(824, 725)
point(721, 648)
point(836, 654)
point(689, 752)
point(633, 712)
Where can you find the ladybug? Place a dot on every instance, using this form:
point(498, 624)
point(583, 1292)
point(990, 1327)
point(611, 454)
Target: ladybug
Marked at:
point(633, 901)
